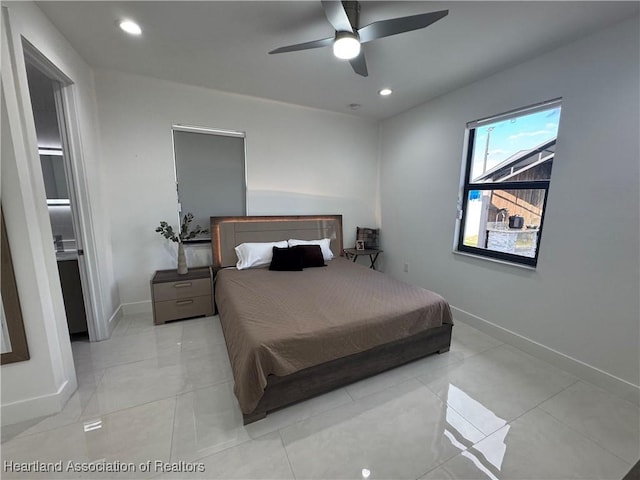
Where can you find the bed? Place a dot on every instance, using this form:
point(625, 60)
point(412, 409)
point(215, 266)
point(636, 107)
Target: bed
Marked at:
point(294, 335)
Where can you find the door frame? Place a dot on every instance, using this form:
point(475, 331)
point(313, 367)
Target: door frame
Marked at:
point(64, 93)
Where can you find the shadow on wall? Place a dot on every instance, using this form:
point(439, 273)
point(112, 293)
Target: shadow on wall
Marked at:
point(354, 211)
point(274, 202)
point(198, 255)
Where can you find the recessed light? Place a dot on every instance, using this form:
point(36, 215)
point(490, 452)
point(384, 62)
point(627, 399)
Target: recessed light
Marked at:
point(130, 27)
point(385, 92)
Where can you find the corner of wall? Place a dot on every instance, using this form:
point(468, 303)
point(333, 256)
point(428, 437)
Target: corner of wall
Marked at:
point(602, 379)
point(38, 406)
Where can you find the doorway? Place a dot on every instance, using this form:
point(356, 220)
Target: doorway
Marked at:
point(51, 127)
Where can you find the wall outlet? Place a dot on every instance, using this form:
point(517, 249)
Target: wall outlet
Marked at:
point(406, 268)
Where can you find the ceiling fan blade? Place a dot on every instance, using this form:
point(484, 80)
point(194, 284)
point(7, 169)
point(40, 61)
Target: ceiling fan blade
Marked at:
point(359, 65)
point(325, 42)
point(385, 28)
point(337, 16)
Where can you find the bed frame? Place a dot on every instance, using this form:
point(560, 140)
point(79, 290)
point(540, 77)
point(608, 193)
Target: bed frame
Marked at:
point(227, 232)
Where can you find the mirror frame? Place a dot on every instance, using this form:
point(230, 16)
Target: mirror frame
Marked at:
point(11, 303)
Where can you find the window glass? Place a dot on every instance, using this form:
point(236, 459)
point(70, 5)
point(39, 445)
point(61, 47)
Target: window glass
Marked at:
point(504, 220)
point(507, 177)
point(506, 149)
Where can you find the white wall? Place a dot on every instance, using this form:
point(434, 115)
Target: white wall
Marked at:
point(42, 384)
point(299, 161)
point(582, 301)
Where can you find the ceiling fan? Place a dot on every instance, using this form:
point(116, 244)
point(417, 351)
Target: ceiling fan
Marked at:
point(344, 17)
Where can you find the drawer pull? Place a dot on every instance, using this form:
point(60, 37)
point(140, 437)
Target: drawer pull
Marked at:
point(182, 285)
point(184, 302)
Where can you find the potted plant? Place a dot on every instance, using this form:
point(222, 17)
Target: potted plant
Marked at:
point(167, 232)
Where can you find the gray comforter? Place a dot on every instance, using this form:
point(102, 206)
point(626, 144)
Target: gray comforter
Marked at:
point(282, 322)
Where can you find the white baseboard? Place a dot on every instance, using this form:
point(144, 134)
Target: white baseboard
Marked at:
point(114, 319)
point(137, 308)
point(36, 407)
point(600, 378)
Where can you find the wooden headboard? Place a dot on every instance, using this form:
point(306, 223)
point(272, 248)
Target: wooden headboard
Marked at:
point(229, 232)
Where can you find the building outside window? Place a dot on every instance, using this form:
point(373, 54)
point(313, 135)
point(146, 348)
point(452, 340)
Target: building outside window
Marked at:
point(508, 163)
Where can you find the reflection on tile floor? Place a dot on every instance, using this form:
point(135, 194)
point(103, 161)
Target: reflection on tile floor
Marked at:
point(483, 410)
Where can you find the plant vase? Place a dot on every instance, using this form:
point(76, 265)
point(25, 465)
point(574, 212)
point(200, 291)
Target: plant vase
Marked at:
point(185, 233)
point(182, 260)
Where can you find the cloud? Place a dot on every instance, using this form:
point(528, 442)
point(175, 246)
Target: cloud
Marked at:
point(530, 134)
point(550, 125)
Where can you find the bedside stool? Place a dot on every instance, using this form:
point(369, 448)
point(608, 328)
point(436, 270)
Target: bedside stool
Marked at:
point(175, 297)
point(353, 254)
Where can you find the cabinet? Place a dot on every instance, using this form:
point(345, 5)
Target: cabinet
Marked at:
point(72, 294)
point(176, 296)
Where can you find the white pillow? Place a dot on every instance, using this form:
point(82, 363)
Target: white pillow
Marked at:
point(256, 254)
point(327, 254)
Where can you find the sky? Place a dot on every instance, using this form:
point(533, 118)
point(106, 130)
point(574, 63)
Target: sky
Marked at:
point(512, 135)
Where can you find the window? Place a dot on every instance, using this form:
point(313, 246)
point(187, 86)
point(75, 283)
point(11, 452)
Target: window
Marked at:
point(210, 173)
point(506, 181)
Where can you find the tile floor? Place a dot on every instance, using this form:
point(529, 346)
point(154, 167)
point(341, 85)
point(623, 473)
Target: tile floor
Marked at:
point(484, 410)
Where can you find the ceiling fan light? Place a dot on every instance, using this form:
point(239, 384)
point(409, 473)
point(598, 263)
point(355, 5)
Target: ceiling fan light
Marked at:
point(346, 46)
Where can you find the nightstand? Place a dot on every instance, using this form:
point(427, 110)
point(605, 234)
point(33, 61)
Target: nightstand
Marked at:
point(175, 297)
point(355, 253)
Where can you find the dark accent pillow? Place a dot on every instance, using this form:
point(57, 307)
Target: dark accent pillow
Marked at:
point(369, 236)
point(311, 255)
point(286, 260)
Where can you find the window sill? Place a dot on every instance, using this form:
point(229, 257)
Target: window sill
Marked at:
point(495, 260)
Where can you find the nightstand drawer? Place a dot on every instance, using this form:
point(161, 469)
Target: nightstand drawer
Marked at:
point(181, 289)
point(182, 308)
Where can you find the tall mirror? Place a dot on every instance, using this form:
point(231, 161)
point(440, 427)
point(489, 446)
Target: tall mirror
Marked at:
point(13, 339)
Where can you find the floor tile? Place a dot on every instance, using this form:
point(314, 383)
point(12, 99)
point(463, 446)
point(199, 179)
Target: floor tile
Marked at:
point(165, 393)
point(91, 356)
point(142, 323)
point(89, 378)
point(377, 383)
point(470, 341)
point(498, 386)
point(466, 342)
point(121, 326)
point(87, 384)
point(263, 458)
point(69, 414)
point(401, 432)
point(207, 421)
point(202, 333)
point(535, 446)
point(434, 366)
point(134, 435)
point(300, 411)
point(609, 421)
point(136, 383)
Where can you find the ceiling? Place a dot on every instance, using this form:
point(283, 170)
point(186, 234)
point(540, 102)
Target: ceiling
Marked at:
point(224, 45)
